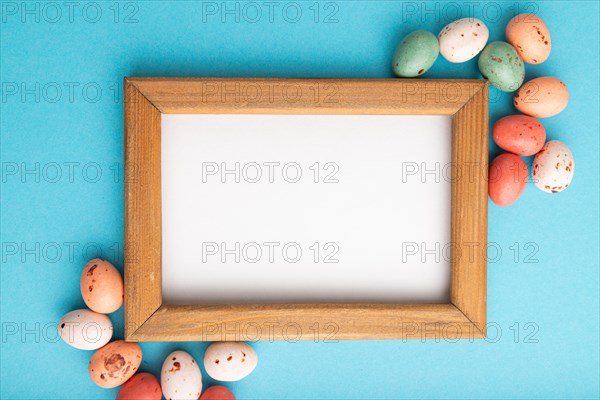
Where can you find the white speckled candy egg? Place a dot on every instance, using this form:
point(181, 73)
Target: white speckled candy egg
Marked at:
point(462, 40)
point(180, 377)
point(229, 361)
point(553, 167)
point(85, 329)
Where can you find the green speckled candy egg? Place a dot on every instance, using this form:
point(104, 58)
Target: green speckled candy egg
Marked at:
point(500, 63)
point(415, 54)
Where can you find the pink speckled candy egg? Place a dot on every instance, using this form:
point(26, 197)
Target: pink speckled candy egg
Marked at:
point(142, 386)
point(113, 364)
point(530, 37)
point(101, 286)
point(463, 39)
point(180, 377)
point(229, 361)
point(217, 393)
point(542, 97)
point(519, 134)
point(553, 167)
point(507, 179)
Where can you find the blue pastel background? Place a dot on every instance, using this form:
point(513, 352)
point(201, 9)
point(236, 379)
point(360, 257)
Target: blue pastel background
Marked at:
point(543, 299)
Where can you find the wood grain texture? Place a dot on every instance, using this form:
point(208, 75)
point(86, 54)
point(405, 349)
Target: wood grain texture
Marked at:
point(143, 293)
point(306, 96)
point(322, 322)
point(469, 208)
point(147, 319)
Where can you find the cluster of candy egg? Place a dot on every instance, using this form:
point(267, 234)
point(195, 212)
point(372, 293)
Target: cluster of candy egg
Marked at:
point(502, 63)
point(117, 363)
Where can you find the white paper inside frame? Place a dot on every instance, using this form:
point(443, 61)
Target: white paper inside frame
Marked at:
point(305, 208)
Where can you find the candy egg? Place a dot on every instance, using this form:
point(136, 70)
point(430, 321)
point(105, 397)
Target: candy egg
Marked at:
point(519, 134)
point(462, 40)
point(542, 97)
point(85, 329)
point(530, 37)
point(415, 54)
point(229, 361)
point(507, 179)
point(500, 63)
point(101, 286)
point(217, 393)
point(553, 167)
point(113, 364)
point(142, 386)
point(180, 377)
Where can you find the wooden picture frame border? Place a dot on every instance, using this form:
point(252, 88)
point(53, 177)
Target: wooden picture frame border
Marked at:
point(148, 319)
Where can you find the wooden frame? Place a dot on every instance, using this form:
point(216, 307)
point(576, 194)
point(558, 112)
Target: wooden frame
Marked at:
point(148, 319)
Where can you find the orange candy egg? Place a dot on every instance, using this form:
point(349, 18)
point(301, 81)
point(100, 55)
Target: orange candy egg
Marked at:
point(530, 36)
point(217, 393)
point(542, 97)
point(113, 364)
point(143, 386)
point(519, 134)
point(101, 286)
point(507, 179)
